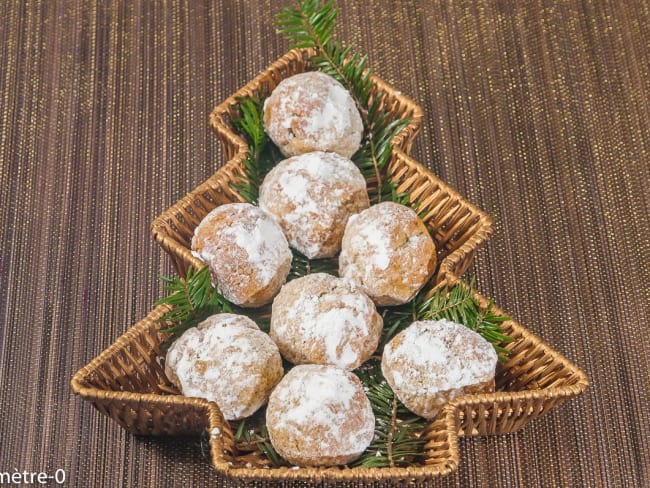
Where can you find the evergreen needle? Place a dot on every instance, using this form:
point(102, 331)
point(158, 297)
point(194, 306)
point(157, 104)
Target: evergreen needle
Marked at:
point(193, 299)
point(311, 24)
point(261, 156)
point(455, 303)
point(397, 439)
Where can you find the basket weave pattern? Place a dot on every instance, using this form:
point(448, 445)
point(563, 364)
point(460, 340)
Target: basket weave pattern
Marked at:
point(127, 382)
point(458, 227)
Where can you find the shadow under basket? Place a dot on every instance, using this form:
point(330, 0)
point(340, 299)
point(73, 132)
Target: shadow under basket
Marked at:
point(127, 383)
point(457, 227)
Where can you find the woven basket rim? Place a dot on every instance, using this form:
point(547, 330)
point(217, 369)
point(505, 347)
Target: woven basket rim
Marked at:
point(214, 420)
point(448, 418)
point(221, 126)
point(170, 244)
point(226, 132)
point(572, 383)
point(80, 378)
point(581, 381)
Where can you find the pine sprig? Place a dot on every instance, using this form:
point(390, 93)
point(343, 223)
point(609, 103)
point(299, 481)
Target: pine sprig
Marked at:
point(455, 303)
point(261, 156)
point(311, 25)
point(192, 299)
point(374, 155)
point(308, 26)
point(252, 434)
point(301, 266)
point(249, 122)
point(397, 439)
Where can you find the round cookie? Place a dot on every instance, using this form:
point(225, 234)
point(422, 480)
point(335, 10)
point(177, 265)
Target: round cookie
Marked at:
point(388, 252)
point(226, 359)
point(312, 112)
point(432, 362)
point(319, 416)
point(321, 319)
point(247, 252)
point(312, 197)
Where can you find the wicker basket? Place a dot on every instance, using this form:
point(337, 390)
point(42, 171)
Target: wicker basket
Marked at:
point(126, 382)
point(458, 227)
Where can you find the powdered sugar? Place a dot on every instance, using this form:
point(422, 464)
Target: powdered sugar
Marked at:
point(388, 252)
point(312, 196)
point(334, 328)
point(263, 244)
point(330, 115)
point(325, 320)
point(228, 360)
point(375, 237)
point(322, 399)
point(243, 246)
point(312, 111)
point(437, 356)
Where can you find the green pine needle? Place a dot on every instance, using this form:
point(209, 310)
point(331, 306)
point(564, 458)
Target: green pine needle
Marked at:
point(311, 25)
point(454, 303)
point(192, 299)
point(252, 434)
point(302, 266)
point(262, 154)
point(397, 439)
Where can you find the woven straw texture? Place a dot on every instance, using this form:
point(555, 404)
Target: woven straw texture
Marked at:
point(537, 112)
point(457, 226)
point(127, 383)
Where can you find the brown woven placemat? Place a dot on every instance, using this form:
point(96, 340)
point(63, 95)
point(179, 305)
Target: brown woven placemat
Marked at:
point(538, 112)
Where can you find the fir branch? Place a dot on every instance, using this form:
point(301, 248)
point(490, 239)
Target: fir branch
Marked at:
point(397, 439)
point(249, 122)
point(311, 25)
point(262, 154)
point(193, 299)
point(302, 266)
point(455, 303)
point(308, 26)
point(252, 434)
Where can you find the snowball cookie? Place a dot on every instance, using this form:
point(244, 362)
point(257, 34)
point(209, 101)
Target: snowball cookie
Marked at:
point(312, 196)
point(322, 319)
point(319, 416)
point(432, 362)
point(312, 112)
point(247, 252)
point(226, 359)
point(388, 252)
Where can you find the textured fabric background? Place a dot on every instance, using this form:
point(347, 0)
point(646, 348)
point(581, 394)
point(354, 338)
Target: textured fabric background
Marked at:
point(537, 111)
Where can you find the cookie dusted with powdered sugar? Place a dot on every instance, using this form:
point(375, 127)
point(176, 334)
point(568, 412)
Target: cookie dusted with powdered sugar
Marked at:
point(388, 252)
point(312, 112)
point(226, 359)
point(320, 416)
point(432, 362)
point(312, 196)
point(247, 252)
point(321, 319)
